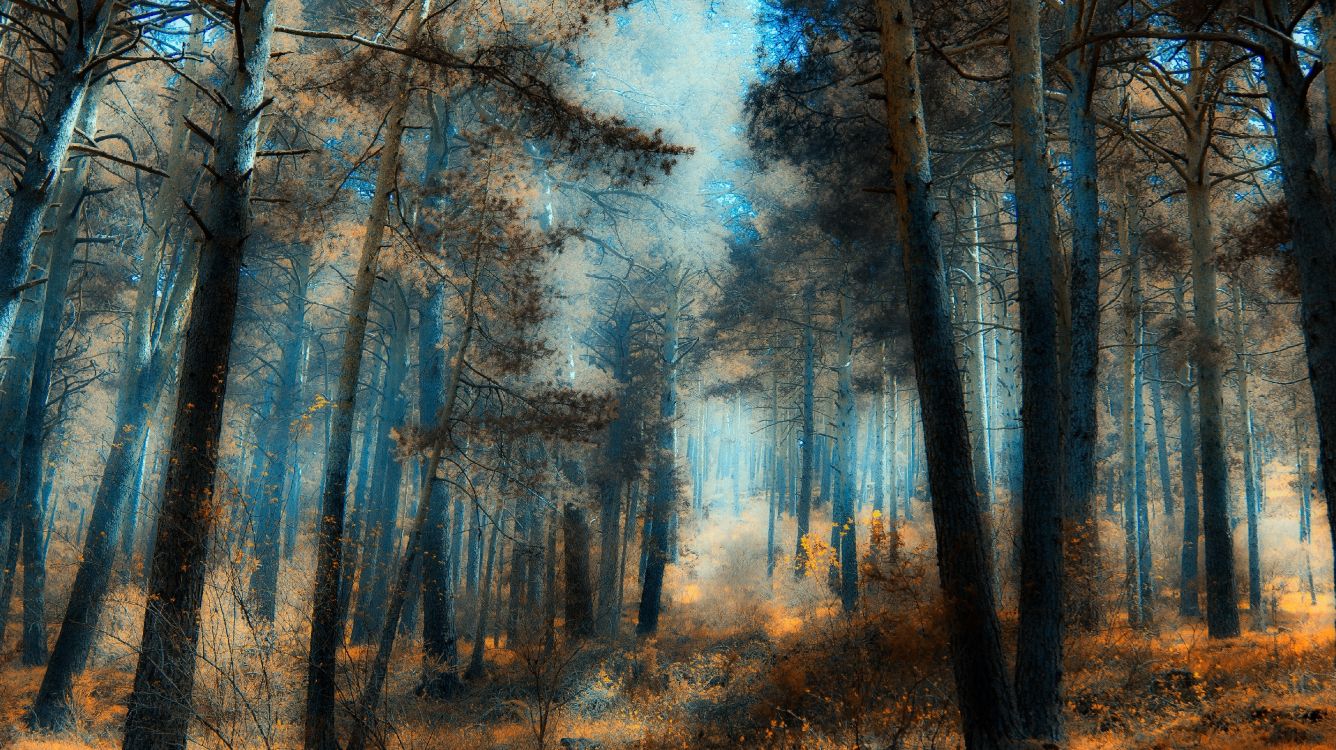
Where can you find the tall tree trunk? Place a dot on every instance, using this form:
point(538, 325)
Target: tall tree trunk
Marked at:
point(776, 474)
point(287, 409)
point(13, 404)
point(1145, 573)
point(987, 705)
point(1305, 510)
point(160, 708)
point(379, 540)
point(27, 501)
point(440, 430)
point(440, 650)
point(45, 161)
point(327, 617)
point(1189, 596)
point(128, 522)
point(663, 499)
point(1312, 214)
point(1161, 437)
point(843, 519)
point(808, 439)
point(975, 294)
point(1251, 496)
point(1222, 609)
point(1039, 641)
point(550, 594)
point(579, 595)
point(1081, 380)
point(489, 585)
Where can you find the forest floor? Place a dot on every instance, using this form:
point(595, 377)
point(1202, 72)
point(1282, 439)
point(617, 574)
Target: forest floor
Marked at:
point(740, 662)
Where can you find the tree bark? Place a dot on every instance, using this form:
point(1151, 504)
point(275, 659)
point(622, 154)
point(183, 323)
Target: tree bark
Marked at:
point(663, 500)
point(579, 595)
point(1189, 593)
point(1081, 380)
point(1312, 213)
point(28, 500)
point(36, 187)
point(327, 616)
point(160, 707)
point(987, 705)
point(1252, 500)
point(807, 442)
point(1039, 641)
point(1222, 610)
point(843, 519)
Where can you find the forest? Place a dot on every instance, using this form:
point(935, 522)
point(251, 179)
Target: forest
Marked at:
point(667, 374)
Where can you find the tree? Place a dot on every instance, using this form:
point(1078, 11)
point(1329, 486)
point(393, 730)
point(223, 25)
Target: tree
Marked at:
point(157, 716)
point(1039, 642)
point(77, 56)
point(987, 705)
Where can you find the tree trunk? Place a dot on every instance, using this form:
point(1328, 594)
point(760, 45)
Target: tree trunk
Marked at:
point(987, 705)
point(27, 501)
point(1251, 495)
point(288, 404)
point(808, 439)
point(776, 474)
point(663, 500)
point(1081, 380)
point(579, 596)
point(327, 617)
point(62, 242)
point(1039, 641)
point(13, 405)
point(1145, 573)
point(977, 344)
point(1222, 610)
point(843, 519)
point(439, 635)
point(444, 686)
point(160, 708)
point(1189, 589)
point(1312, 214)
point(379, 539)
point(489, 584)
point(45, 161)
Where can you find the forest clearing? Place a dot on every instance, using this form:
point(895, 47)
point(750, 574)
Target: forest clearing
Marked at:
point(649, 374)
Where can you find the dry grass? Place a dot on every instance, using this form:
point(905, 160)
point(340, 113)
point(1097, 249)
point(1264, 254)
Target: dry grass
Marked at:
point(742, 661)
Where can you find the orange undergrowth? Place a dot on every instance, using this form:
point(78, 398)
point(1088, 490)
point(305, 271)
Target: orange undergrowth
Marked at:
point(745, 660)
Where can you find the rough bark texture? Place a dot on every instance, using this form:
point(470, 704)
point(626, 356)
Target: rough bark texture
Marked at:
point(579, 596)
point(36, 187)
point(1081, 379)
point(1312, 212)
point(28, 499)
point(663, 500)
point(1039, 641)
point(808, 439)
point(987, 705)
point(51, 710)
point(1189, 589)
point(1222, 610)
point(160, 707)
